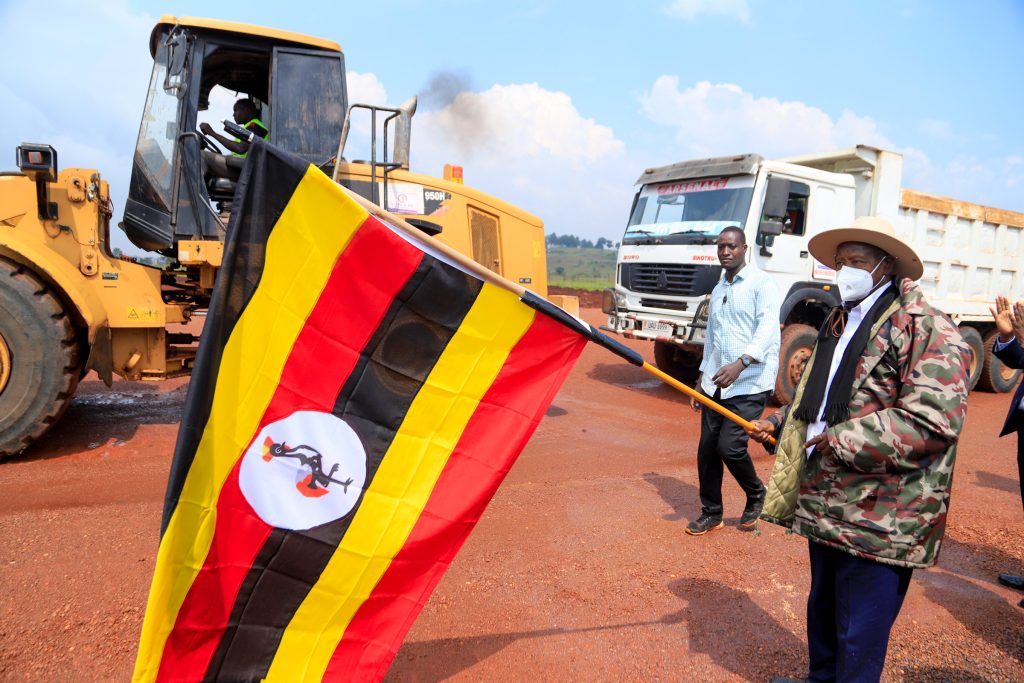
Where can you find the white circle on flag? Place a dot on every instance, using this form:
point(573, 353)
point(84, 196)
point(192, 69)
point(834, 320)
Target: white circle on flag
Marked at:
point(303, 471)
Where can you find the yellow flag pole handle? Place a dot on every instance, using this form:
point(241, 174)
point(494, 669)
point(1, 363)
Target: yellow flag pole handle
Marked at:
point(702, 399)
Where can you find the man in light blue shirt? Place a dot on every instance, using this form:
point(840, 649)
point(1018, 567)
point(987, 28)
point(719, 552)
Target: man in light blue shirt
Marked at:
point(741, 359)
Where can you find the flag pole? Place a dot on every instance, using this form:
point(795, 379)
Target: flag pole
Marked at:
point(544, 306)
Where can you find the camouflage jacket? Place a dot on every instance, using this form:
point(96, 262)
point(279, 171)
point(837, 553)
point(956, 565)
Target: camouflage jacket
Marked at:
point(884, 494)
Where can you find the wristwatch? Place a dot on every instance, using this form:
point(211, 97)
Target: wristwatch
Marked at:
point(745, 359)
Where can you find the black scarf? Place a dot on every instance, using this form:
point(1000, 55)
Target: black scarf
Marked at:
point(837, 407)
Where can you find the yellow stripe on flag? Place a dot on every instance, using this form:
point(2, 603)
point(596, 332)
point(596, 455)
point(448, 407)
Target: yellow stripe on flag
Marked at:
point(403, 483)
point(300, 256)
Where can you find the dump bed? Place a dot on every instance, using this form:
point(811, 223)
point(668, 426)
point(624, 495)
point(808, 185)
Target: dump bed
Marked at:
point(971, 253)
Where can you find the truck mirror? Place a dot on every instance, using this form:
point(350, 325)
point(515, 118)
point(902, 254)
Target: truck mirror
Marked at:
point(770, 227)
point(176, 46)
point(776, 197)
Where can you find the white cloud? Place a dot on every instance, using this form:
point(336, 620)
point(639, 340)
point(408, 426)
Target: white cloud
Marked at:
point(522, 143)
point(532, 147)
point(366, 89)
point(721, 118)
point(690, 9)
point(520, 121)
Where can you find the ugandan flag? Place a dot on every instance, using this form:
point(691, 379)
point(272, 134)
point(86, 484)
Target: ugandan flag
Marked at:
point(356, 401)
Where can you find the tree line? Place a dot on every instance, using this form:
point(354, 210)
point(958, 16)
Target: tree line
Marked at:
point(555, 240)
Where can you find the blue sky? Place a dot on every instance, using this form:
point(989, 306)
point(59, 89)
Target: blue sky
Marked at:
point(570, 101)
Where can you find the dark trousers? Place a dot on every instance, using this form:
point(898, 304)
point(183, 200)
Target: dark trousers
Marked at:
point(850, 610)
point(1020, 463)
point(723, 443)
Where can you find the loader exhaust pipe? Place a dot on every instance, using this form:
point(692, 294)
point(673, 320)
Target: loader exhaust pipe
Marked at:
point(403, 133)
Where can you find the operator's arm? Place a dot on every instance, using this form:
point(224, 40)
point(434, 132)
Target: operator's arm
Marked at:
point(236, 146)
point(929, 411)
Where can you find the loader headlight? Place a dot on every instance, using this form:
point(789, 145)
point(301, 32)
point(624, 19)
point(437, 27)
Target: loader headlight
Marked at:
point(611, 301)
point(37, 161)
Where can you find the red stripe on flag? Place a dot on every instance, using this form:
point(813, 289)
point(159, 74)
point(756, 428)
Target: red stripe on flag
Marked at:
point(376, 263)
point(493, 438)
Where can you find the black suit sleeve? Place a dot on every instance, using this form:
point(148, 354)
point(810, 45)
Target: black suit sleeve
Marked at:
point(1012, 355)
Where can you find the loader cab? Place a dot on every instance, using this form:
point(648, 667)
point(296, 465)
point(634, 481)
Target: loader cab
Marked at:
point(201, 66)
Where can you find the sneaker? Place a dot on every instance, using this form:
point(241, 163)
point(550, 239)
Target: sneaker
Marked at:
point(1012, 580)
point(751, 512)
point(703, 524)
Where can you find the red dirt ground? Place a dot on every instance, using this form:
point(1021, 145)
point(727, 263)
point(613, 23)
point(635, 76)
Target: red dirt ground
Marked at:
point(579, 570)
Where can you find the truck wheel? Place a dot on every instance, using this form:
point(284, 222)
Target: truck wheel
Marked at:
point(995, 375)
point(794, 352)
point(40, 361)
point(977, 344)
point(674, 361)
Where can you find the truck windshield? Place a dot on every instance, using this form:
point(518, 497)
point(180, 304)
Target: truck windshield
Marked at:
point(699, 208)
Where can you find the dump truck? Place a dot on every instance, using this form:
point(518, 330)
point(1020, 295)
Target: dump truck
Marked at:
point(68, 305)
point(667, 263)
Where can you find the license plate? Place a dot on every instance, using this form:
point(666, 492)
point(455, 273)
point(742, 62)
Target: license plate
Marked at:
point(659, 328)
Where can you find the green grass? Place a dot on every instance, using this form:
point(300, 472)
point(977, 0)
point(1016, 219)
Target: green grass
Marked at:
point(589, 269)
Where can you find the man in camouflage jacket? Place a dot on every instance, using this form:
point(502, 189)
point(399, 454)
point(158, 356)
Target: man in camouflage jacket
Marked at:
point(871, 491)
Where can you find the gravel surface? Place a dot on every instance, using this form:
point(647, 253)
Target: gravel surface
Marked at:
point(579, 570)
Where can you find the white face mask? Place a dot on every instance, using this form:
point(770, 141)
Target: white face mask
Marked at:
point(854, 283)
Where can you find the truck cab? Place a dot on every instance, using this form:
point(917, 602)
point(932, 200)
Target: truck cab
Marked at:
point(667, 263)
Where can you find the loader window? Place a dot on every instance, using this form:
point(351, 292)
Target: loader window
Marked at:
point(153, 173)
point(307, 102)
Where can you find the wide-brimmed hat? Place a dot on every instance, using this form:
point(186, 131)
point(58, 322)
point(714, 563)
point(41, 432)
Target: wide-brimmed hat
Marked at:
point(869, 230)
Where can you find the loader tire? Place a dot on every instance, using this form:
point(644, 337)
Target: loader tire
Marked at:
point(40, 359)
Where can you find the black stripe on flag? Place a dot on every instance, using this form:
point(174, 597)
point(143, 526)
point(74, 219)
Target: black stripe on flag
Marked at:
point(264, 190)
point(374, 400)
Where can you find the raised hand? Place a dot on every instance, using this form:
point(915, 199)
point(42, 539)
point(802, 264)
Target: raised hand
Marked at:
point(1018, 321)
point(1005, 318)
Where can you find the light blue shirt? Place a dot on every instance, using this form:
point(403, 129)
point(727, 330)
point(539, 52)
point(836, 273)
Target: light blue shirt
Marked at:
point(743, 320)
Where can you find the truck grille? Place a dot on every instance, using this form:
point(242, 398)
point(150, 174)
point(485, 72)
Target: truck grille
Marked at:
point(674, 279)
point(664, 303)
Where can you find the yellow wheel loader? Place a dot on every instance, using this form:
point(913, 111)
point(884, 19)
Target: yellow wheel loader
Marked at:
point(68, 305)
